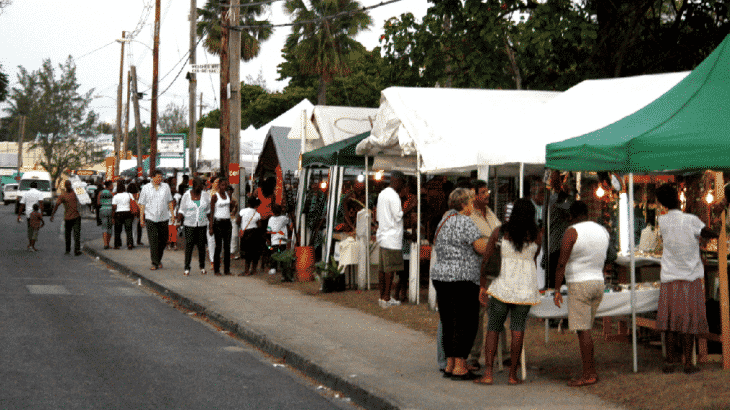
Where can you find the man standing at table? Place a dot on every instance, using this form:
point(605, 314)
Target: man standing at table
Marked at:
point(156, 204)
point(581, 263)
point(390, 237)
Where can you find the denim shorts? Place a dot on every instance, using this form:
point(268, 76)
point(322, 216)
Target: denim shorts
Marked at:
point(498, 311)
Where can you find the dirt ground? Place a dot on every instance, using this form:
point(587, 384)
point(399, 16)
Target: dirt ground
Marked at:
point(558, 359)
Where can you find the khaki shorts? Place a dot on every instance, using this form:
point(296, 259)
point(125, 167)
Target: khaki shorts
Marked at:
point(391, 260)
point(583, 301)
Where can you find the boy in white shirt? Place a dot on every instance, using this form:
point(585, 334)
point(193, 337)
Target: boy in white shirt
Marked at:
point(279, 230)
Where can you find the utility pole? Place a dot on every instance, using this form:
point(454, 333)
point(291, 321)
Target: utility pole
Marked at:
point(200, 113)
point(193, 133)
point(155, 75)
point(235, 67)
point(225, 153)
point(137, 120)
point(126, 116)
point(118, 134)
point(21, 136)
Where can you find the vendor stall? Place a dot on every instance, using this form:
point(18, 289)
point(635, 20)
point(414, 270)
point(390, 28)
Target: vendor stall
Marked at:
point(683, 130)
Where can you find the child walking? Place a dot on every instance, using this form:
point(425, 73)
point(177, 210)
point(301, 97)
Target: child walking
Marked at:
point(36, 223)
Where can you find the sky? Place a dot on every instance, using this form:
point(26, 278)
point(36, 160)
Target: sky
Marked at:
point(34, 30)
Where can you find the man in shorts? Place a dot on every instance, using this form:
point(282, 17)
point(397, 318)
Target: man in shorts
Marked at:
point(390, 237)
point(582, 259)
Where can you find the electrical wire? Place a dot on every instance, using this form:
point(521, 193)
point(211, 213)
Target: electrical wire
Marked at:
point(94, 51)
point(323, 18)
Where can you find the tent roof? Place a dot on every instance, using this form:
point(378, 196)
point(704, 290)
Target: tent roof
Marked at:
point(337, 153)
point(446, 124)
point(278, 150)
point(329, 124)
point(684, 129)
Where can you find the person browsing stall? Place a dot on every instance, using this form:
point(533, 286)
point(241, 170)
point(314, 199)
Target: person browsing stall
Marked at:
point(581, 263)
point(390, 236)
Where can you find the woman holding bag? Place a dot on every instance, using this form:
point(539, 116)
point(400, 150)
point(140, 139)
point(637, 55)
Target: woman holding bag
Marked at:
point(515, 290)
point(220, 227)
point(458, 245)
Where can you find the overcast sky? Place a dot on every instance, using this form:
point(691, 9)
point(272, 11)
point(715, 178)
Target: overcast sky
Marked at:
point(32, 30)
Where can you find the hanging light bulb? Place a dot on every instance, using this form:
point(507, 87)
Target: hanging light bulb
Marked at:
point(682, 197)
point(323, 185)
point(361, 178)
point(709, 197)
point(600, 192)
point(379, 175)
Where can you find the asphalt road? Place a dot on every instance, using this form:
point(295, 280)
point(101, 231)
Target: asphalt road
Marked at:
point(75, 334)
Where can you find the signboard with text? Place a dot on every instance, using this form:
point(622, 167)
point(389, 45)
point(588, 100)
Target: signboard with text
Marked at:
point(171, 145)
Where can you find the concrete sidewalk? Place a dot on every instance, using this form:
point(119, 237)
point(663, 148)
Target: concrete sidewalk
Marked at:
point(377, 363)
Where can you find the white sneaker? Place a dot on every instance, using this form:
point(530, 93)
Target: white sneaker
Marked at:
point(272, 271)
point(383, 304)
point(393, 302)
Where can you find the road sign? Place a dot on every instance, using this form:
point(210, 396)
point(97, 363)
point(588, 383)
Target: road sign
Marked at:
point(205, 68)
point(171, 145)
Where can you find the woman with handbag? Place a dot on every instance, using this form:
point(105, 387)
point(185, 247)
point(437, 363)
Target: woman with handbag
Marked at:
point(515, 290)
point(458, 245)
point(193, 214)
point(122, 216)
point(133, 189)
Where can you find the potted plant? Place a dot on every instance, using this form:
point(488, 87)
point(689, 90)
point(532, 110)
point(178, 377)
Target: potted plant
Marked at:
point(331, 276)
point(285, 262)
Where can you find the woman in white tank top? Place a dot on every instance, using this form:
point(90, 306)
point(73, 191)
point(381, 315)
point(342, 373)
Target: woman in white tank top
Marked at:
point(220, 227)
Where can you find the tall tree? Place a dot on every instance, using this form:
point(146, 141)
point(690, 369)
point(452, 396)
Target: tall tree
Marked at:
point(257, 30)
point(3, 84)
point(58, 119)
point(174, 118)
point(322, 37)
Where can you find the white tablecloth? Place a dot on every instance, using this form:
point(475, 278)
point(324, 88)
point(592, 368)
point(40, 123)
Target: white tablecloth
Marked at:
point(613, 304)
point(347, 252)
point(639, 261)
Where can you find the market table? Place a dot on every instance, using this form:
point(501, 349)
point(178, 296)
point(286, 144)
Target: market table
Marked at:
point(613, 303)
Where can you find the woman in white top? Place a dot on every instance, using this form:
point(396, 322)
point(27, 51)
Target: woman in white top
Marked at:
point(249, 220)
point(220, 227)
point(193, 213)
point(122, 215)
point(515, 290)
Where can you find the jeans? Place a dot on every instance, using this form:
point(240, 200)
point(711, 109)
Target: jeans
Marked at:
point(75, 225)
point(157, 234)
point(195, 236)
point(123, 219)
point(222, 233)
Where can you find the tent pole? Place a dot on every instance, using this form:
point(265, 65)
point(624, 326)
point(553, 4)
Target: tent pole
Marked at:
point(722, 274)
point(369, 222)
point(331, 209)
point(633, 270)
point(415, 278)
point(522, 179)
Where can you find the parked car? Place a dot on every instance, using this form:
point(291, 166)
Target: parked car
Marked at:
point(10, 193)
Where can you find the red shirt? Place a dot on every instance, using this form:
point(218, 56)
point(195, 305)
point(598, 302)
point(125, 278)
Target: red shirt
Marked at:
point(70, 204)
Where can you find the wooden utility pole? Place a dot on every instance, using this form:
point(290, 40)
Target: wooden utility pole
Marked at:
point(193, 133)
point(21, 136)
point(118, 133)
point(225, 137)
point(137, 120)
point(155, 75)
point(126, 116)
point(235, 66)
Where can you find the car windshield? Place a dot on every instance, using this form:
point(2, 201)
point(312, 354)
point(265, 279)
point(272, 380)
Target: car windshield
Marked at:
point(42, 185)
point(11, 187)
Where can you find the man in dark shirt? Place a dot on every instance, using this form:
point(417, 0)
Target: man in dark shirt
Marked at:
point(71, 217)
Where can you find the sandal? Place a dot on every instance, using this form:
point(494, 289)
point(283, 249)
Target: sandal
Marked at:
point(154, 267)
point(466, 376)
point(583, 382)
point(514, 382)
point(484, 380)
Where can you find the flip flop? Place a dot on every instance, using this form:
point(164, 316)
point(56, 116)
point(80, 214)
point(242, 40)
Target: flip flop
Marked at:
point(514, 382)
point(484, 380)
point(582, 382)
point(154, 267)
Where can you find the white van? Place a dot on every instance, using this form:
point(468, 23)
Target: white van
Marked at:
point(44, 182)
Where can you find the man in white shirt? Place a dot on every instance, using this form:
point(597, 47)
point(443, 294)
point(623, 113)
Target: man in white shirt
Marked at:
point(390, 236)
point(156, 204)
point(30, 197)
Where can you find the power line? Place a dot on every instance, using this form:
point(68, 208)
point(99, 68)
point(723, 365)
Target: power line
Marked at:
point(323, 18)
point(261, 3)
point(94, 51)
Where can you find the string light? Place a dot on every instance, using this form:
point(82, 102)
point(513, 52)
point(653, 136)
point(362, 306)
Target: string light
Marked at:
point(709, 197)
point(323, 185)
point(600, 192)
point(379, 175)
point(361, 178)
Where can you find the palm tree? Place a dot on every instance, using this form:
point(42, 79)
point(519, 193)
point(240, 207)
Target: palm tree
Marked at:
point(322, 37)
point(209, 25)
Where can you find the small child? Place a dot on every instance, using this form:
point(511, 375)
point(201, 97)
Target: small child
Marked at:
point(36, 223)
point(279, 230)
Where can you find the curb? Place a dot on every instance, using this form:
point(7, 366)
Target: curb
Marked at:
point(356, 393)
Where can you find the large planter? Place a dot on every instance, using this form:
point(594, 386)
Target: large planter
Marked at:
point(305, 263)
point(333, 284)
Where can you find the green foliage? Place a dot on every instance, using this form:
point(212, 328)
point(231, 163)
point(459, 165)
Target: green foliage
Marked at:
point(209, 27)
point(132, 141)
point(58, 119)
point(331, 269)
point(550, 44)
point(322, 46)
point(174, 119)
point(3, 84)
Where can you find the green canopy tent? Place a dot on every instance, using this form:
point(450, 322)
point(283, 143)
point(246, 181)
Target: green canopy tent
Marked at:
point(685, 129)
point(337, 156)
point(340, 153)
